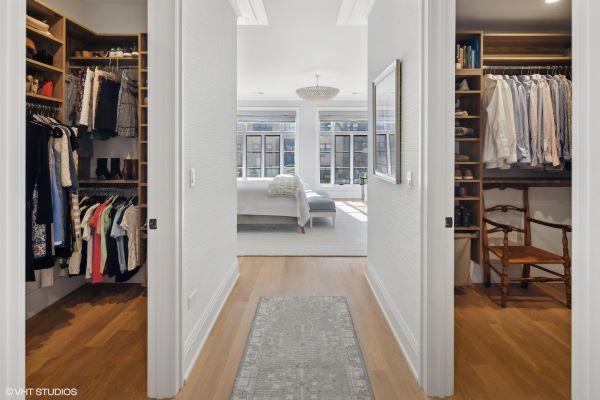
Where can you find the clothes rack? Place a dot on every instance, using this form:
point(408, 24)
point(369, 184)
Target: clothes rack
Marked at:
point(43, 109)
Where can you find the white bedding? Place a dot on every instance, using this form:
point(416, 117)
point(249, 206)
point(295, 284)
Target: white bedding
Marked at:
point(253, 199)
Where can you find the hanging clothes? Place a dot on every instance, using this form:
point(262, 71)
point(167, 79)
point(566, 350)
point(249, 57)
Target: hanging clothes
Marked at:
point(527, 121)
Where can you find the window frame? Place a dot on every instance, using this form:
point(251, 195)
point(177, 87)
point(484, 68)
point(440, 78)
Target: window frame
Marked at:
point(280, 133)
point(333, 133)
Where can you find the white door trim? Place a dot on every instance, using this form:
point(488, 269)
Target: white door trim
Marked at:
point(164, 198)
point(437, 163)
point(438, 355)
point(585, 348)
point(12, 198)
point(164, 339)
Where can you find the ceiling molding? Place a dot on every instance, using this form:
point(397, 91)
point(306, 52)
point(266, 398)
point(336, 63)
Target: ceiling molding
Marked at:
point(250, 12)
point(354, 12)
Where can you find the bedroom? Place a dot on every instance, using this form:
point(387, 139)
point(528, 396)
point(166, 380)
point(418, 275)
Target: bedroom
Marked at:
point(323, 142)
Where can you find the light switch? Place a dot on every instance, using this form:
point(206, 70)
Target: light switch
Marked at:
point(192, 177)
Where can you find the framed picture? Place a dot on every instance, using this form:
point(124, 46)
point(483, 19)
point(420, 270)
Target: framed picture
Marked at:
point(387, 119)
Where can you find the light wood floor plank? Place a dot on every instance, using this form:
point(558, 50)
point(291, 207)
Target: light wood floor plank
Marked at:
point(95, 338)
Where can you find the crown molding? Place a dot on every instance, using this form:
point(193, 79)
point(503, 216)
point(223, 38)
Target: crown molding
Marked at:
point(354, 12)
point(250, 12)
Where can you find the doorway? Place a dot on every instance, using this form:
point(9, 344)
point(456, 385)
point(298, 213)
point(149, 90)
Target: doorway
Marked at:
point(503, 202)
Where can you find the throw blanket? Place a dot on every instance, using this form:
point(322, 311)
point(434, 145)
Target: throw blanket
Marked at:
point(284, 186)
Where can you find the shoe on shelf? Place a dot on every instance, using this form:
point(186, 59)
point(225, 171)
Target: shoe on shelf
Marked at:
point(462, 192)
point(458, 219)
point(102, 171)
point(457, 174)
point(466, 217)
point(467, 174)
point(461, 157)
point(461, 113)
point(464, 132)
point(115, 168)
point(463, 85)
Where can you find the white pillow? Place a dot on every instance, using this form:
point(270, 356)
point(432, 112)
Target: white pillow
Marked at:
point(284, 186)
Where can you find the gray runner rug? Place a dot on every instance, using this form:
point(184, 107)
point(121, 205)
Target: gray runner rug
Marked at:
point(302, 348)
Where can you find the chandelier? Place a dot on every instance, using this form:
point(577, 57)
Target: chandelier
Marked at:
point(317, 93)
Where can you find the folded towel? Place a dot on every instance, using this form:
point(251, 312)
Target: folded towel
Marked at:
point(284, 186)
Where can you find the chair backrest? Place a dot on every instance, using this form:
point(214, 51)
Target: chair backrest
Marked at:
point(505, 208)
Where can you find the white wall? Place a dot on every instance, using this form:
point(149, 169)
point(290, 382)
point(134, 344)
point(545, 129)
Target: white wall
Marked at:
point(394, 234)
point(104, 16)
point(307, 150)
point(209, 215)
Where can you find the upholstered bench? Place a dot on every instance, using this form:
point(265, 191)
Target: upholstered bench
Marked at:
point(321, 205)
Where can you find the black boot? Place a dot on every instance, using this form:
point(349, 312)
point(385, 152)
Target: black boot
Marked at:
point(115, 168)
point(102, 171)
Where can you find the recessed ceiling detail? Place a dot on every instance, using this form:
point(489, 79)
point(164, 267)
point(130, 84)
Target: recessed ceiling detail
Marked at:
point(250, 12)
point(354, 12)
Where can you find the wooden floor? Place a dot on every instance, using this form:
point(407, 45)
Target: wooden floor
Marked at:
point(519, 352)
point(213, 376)
point(95, 339)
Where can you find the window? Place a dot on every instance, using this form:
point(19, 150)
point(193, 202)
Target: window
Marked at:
point(343, 151)
point(265, 148)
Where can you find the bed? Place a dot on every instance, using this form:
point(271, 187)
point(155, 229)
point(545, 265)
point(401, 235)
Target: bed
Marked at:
point(255, 206)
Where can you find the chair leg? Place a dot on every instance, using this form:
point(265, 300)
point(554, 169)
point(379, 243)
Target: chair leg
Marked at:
point(568, 283)
point(487, 278)
point(505, 283)
point(526, 274)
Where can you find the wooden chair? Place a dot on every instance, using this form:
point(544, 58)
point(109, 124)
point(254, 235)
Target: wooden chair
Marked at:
point(526, 254)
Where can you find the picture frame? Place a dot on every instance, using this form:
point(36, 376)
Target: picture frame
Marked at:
point(387, 123)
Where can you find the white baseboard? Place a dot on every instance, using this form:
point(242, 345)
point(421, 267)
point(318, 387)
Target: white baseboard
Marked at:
point(194, 343)
point(404, 337)
point(43, 297)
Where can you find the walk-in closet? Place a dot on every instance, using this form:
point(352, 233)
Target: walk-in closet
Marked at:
point(513, 161)
point(86, 187)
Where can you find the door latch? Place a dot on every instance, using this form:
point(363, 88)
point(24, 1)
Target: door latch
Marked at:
point(449, 223)
point(152, 223)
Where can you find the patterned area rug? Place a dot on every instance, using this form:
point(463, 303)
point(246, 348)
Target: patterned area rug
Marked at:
point(302, 348)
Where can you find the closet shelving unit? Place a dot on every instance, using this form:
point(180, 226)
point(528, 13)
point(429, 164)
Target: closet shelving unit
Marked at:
point(69, 36)
point(143, 138)
point(472, 147)
point(513, 50)
point(54, 45)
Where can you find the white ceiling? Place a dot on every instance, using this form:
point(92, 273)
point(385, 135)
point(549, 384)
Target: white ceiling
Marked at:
point(513, 15)
point(301, 40)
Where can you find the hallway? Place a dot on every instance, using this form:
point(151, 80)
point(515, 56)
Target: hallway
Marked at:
point(214, 373)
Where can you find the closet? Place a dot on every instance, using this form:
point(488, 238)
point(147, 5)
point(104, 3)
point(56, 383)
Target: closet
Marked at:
point(513, 155)
point(87, 169)
point(482, 57)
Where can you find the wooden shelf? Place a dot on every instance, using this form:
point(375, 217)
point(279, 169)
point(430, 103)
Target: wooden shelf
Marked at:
point(143, 87)
point(467, 139)
point(526, 59)
point(467, 162)
point(467, 117)
point(108, 181)
point(467, 198)
point(33, 96)
point(38, 38)
point(467, 91)
point(129, 61)
point(468, 72)
point(529, 182)
point(467, 180)
point(38, 66)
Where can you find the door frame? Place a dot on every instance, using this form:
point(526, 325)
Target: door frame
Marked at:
point(164, 194)
point(437, 371)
